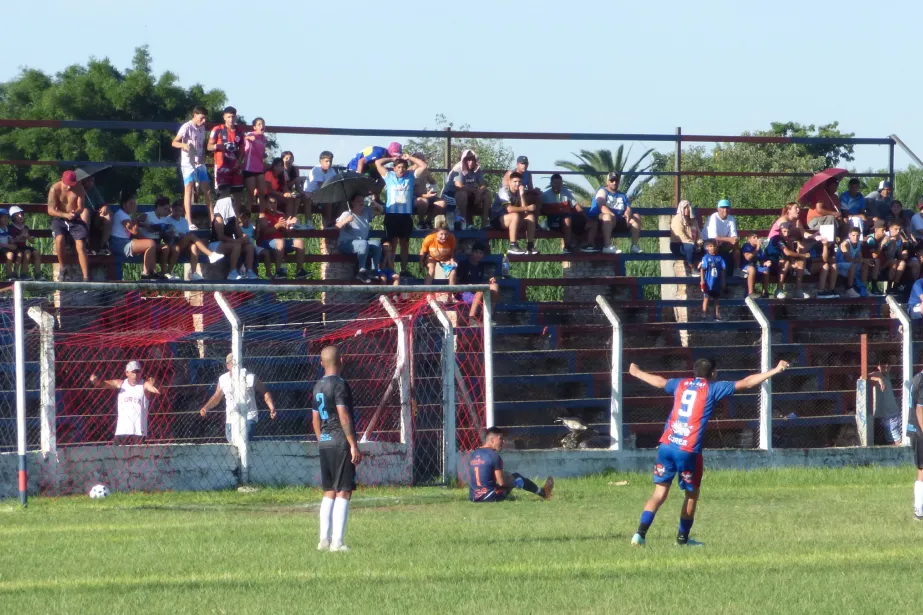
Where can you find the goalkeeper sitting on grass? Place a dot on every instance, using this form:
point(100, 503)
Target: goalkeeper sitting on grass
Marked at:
point(487, 482)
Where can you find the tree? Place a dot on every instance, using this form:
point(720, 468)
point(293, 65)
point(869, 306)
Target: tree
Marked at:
point(97, 91)
point(597, 165)
point(492, 153)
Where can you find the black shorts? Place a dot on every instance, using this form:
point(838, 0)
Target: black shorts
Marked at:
point(398, 226)
point(497, 223)
point(621, 224)
point(916, 445)
point(337, 472)
point(247, 174)
point(578, 222)
point(713, 293)
point(75, 229)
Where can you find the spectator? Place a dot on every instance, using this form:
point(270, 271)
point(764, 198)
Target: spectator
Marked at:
point(915, 302)
point(512, 210)
point(712, 278)
point(191, 141)
point(722, 227)
point(472, 271)
point(825, 212)
point(65, 207)
point(132, 404)
point(902, 216)
point(227, 238)
point(274, 228)
point(792, 258)
point(878, 203)
point(354, 226)
point(18, 240)
point(127, 240)
point(791, 214)
point(291, 190)
point(852, 202)
point(438, 250)
point(849, 260)
point(872, 250)
point(885, 408)
point(364, 162)
point(318, 175)
point(570, 218)
point(273, 187)
point(756, 262)
point(400, 204)
point(7, 251)
point(180, 240)
point(252, 233)
point(614, 212)
point(425, 188)
point(96, 214)
point(466, 189)
point(685, 236)
point(916, 223)
point(226, 390)
point(522, 167)
point(227, 141)
point(254, 164)
point(150, 226)
point(896, 258)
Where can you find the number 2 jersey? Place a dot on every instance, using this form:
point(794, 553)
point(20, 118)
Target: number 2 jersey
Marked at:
point(693, 402)
point(330, 392)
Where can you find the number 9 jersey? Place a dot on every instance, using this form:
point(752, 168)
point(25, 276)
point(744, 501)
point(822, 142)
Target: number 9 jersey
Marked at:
point(694, 400)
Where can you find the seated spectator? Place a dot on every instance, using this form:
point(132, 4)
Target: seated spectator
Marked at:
point(254, 164)
point(878, 203)
point(96, 215)
point(852, 202)
point(401, 204)
point(571, 220)
point(685, 236)
point(316, 178)
point(903, 217)
point(180, 241)
point(791, 256)
point(190, 140)
point(466, 191)
point(522, 167)
point(354, 226)
point(722, 227)
point(472, 271)
point(252, 232)
point(127, 241)
point(292, 191)
point(849, 260)
point(613, 209)
point(18, 246)
point(871, 249)
point(438, 250)
point(711, 268)
point(227, 238)
point(425, 189)
point(825, 211)
point(7, 253)
point(514, 208)
point(916, 223)
point(274, 228)
point(915, 302)
point(150, 226)
point(272, 188)
point(756, 262)
point(896, 257)
point(65, 207)
point(791, 213)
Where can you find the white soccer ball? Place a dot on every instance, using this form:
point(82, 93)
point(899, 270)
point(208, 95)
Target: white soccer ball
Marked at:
point(99, 492)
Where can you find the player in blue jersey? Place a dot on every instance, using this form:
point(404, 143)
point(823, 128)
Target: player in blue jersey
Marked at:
point(680, 449)
point(487, 482)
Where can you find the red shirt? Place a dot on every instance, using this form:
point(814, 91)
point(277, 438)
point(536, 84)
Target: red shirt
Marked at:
point(273, 218)
point(222, 135)
point(273, 181)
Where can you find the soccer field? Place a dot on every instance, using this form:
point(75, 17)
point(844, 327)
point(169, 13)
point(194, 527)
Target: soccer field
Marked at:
point(784, 541)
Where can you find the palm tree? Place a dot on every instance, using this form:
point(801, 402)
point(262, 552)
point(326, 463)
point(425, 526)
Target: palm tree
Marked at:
point(596, 165)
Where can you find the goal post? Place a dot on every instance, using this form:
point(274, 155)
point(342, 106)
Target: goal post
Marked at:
point(416, 365)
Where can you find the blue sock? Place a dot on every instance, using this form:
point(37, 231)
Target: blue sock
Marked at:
point(647, 517)
point(685, 525)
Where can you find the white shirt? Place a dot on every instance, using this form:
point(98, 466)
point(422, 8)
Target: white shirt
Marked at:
point(194, 136)
point(118, 226)
point(180, 227)
point(132, 410)
point(916, 223)
point(224, 383)
point(153, 219)
point(717, 227)
point(317, 177)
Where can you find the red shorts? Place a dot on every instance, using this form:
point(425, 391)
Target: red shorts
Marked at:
point(230, 177)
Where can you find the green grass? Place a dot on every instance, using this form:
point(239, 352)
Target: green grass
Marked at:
point(788, 541)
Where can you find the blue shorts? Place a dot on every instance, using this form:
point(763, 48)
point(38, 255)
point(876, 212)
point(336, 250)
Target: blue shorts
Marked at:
point(671, 460)
point(197, 174)
point(288, 245)
point(121, 245)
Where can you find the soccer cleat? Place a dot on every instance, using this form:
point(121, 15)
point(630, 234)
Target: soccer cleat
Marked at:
point(323, 545)
point(690, 543)
point(548, 488)
point(214, 257)
point(339, 548)
point(638, 540)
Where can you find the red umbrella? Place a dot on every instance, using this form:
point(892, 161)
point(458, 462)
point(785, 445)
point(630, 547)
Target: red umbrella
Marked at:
point(817, 181)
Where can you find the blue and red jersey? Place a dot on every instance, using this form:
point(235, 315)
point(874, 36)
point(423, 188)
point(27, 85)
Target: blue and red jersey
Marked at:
point(693, 402)
point(482, 479)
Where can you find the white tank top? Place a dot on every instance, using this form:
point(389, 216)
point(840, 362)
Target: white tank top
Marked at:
point(132, 410)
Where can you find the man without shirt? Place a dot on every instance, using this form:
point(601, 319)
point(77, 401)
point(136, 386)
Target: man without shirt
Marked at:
point(65, 206)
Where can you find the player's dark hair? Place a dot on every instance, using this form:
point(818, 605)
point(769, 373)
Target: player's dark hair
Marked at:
point(258, 119)
point(493, 431)
point(703, 368)
point(556, 176)
point(515, 175)
point(711, 242)
point(199, 110)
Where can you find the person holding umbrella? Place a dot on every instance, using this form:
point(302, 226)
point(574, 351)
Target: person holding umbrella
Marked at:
point(96, 214)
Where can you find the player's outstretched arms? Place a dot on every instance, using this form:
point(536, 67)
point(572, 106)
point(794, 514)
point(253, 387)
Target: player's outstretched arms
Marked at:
point(755, 380)
point(652, 379)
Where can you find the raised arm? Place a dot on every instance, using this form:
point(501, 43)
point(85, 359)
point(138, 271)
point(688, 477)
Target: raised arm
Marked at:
point(755, 380)
point(151, 387)
point(652, 379)
point(419, 165)
point(104, 384)
point(380, 166)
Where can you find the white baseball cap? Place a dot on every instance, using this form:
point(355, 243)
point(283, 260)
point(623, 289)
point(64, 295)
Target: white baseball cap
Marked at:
point(133, 366)
point(15, 209)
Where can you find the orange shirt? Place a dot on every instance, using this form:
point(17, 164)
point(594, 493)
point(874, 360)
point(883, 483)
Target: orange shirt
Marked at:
point(440, 252)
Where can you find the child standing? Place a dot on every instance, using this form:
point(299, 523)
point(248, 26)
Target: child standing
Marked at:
point(711, 270)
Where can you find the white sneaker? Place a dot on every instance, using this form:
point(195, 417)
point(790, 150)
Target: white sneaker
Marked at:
point(323, 545)
point(195, 277)
point(611, 250)
point(851, 294)
point(215, 257)
point(339, 547)
point(251, 275)
point(636, 249)
point(193, 227)
point(169, 276)
point(805, 295)
point(918, 514)
point(234, 276)
point(743, 273)
point(781, 295)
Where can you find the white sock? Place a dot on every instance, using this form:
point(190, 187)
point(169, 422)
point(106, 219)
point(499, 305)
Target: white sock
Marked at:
point(918, 495)
point(340, 515)
point(326, 514)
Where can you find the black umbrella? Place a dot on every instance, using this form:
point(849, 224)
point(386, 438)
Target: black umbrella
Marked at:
point(88, 170)
point(343, 187)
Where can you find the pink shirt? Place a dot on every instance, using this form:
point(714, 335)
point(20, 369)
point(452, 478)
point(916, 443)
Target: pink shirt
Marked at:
point(254, 152)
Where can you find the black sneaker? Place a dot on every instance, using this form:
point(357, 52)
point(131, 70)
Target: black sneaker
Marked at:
point(363, 276)
point(764, 295)
point(515, 249)
point(589, 249)
point(530, 249)
point(566, 250)
point(104, 251)
point(302, 274)
point(281, 274)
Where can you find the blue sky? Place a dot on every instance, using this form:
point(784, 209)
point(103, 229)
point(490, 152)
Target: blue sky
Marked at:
point(718, 67)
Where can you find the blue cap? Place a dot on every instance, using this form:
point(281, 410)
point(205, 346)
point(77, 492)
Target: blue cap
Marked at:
point(724, 203)
point(4, 212)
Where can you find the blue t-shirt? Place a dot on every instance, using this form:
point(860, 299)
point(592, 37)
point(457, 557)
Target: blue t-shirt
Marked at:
point(482, 478)
point(852, 204)
point(713, 266)
point(759, 257)
point(694, 400)
point(399, 193)
point(371, 154)
point(616, 201)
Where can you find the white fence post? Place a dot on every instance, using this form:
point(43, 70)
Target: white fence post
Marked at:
point(615, 397)
point(403, 364)
point(46, 358)
point(449, 444)
point(906, 362)
point(239, 386)
point(488, 313)
point(19, 341)
point(765, 366)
